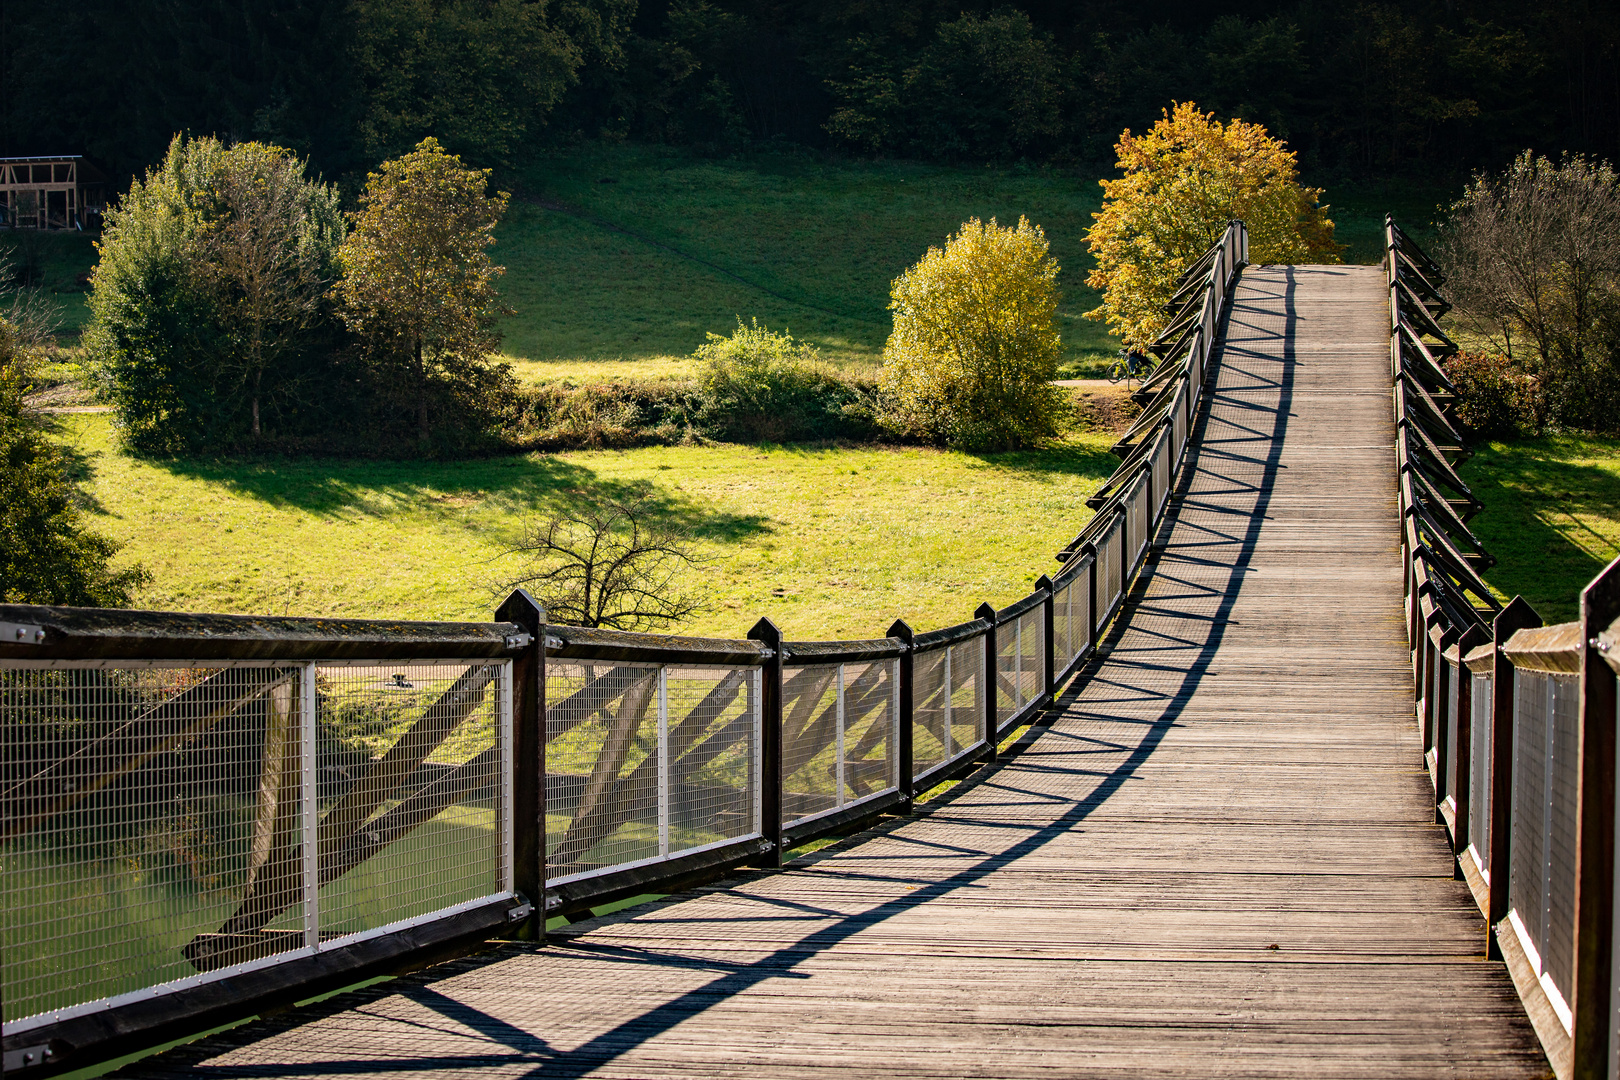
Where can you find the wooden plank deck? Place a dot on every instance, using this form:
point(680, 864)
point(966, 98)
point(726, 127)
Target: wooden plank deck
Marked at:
point(1219, 860)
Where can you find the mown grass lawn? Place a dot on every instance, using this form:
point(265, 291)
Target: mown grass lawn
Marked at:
point(827, 542)
point(1551, 516)
point(620, 258)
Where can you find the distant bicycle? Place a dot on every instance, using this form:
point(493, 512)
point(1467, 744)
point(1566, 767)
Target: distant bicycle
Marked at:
point(1130, 365)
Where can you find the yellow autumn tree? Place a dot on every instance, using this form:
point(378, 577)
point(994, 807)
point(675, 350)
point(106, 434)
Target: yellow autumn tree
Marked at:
point(975, 342)
point(1183, 181)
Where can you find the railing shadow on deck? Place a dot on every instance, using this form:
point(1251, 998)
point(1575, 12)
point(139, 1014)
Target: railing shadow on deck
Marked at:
point(509, 771)
point(1109, 671)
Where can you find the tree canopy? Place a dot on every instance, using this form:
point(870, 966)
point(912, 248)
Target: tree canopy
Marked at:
point(418, 283)
point(1183, 181)
point(1377, 88)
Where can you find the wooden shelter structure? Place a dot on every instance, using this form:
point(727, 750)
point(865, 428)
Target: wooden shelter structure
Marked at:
point(61, 191)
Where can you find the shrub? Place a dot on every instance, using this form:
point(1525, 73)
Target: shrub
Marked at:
point(761, 386)
point(208, 317)
point(1496, 398)
point(1184, 180)
point(975, 343)
point(47, 556)
point(1532, 260)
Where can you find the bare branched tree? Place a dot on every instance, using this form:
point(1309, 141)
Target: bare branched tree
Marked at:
point(609, 565)
point(1532, 259)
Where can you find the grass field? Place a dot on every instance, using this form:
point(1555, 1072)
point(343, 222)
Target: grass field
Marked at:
point(828, 542)
point(620, 257)
point(1551, 517)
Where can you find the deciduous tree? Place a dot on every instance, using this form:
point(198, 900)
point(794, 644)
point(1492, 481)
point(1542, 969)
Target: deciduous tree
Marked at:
point(418, 281)
point(975, 343)
point(1183, 181)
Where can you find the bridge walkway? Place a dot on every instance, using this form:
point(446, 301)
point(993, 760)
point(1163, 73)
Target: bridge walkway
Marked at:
point(1218, 860)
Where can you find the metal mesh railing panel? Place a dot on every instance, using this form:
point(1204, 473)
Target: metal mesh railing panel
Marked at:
point(1161, 471)
point(1479, 813)
point(601, 765)
point(143, 806)
point(644, 762)
point(1448, 767)
point(810, 699)
point(1071, 619)
point(1032, 662)
point(1563, 775)
point(409, 762)
point(1009, 682)
point(1110, 553)
point(712, 756)
point(968, 710)
point(871, 714)
point(1528, 848)
point(1140, 515)
point(840, 723)
point(931, 734)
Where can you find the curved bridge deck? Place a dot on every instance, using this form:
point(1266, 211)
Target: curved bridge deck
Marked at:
point(1218, 860)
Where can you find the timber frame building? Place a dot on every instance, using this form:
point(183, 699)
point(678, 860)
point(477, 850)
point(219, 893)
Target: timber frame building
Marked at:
point(58, 192)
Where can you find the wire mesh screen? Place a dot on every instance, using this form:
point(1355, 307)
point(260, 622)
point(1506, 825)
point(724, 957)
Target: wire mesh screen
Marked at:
point(1161, 471)
point(168, 823)
point(143, 806)
point(1071, 617)
point(1563, 775)
point(839, 736)
point(1140, 515)
point(1110, 553)
point(1180, 412)
point(409, 766)
point(646, 761)
point(1032, 661)
point(947, 704)
point(1448, 767)
point(1479, 773)
point(1526, 892)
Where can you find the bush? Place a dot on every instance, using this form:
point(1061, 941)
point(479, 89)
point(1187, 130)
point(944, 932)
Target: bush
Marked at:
point(613, 416)
point(1532, 261)
point(209, 318)
point(1496, 398)
point(760, 386)
point(47, 556)
point(975, 343)
point(1184, 180)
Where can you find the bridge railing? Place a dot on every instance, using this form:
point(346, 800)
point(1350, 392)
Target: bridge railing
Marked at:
point(1518, 719)
point(209, 816)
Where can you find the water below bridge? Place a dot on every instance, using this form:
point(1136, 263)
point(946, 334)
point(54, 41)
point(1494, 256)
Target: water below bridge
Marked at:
point(1219, 858)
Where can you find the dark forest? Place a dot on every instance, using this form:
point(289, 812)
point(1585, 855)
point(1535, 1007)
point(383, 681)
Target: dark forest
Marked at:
point(1398, 88)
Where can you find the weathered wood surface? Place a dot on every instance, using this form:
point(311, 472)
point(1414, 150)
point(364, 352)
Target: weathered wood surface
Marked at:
point(1219, 860)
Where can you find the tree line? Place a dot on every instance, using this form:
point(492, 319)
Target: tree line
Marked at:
point(1378, 88)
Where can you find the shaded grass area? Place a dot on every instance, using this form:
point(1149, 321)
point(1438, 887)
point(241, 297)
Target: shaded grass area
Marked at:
point(829, 542)
point(625, 256)
point(1551, 516)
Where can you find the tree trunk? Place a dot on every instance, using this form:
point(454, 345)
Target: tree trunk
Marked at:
point(256, 378)
point(421, 398)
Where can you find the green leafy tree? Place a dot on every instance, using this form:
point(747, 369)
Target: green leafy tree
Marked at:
point(479, 73)
point(207, 303)
point(975, 344)
point(47, 555)
point(418, 282)
point(1183, 181)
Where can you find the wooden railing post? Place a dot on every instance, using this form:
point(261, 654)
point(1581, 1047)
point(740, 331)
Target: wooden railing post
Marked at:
point(1048, 625)
point(529, 760)
point(1091, 592)
point(907, 721)
point(1518, 615)
point(991, 674)
point(1595, 837)
point(770, 744)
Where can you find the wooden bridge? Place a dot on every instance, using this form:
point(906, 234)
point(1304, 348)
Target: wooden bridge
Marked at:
point(1297, 796)
point(1220, 858)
